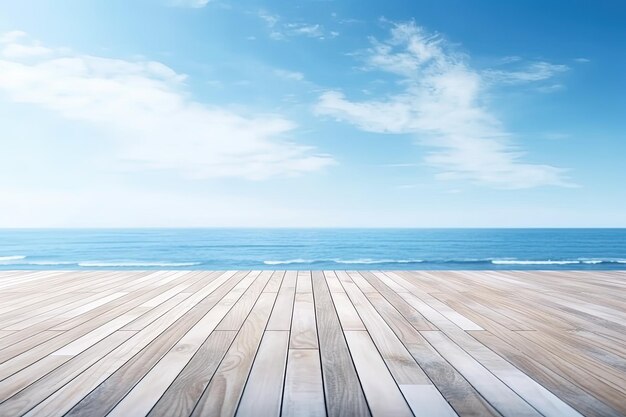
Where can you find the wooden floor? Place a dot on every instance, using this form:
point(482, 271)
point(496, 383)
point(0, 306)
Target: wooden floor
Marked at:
point(312, 343)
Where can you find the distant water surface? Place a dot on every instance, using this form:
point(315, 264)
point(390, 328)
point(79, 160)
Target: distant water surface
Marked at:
point(219, 249)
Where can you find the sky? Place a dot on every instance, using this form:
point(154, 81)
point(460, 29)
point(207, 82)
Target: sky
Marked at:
point(316, 113)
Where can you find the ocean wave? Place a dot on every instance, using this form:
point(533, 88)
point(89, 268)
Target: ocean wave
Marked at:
point(586, 261)
point(602, 261)
point(91, 264)
point(292, 261)
point(11, 258)
point(378, 261)
point(343, 261)
point(548, 262)
point(462, 261)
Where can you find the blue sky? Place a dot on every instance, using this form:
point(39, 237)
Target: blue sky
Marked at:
point(312, 113)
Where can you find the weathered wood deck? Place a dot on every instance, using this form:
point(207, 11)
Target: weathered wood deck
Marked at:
point(199, 343)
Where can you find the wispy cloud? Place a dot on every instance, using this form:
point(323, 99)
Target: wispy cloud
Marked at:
point(280, 30)
point(399, 165)
point(289, 75)
point(145, 110)
point(534, 71)
point(189, 3)
point(550, 88)
point(304, 29)
point(15, 44)
point(344, 20)
point(442, 104)
point(270, 19)
point(556, 135)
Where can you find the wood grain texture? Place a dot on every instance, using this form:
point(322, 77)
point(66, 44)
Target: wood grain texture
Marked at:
point(383, 394)
point(181, 397)
point(342, 388)
point(226, 387)
point(304, 393)
point(318, 343)
point(263, 393)
point(303, 327)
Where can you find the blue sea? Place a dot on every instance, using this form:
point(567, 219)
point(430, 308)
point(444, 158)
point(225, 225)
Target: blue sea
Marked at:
point(220, 249)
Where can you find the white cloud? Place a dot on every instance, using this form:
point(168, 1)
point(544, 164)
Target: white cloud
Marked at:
point(535, 71)
point(290, 75)
point(196, 4)
point(145, 110)
point(269, 19)
point(304, 29)
point(441, 103)
point(14, 50)
point(582, 60)
point(556, 135)
point(282, 30)
point(16, 45)
point(550, 88)
point(12, 36)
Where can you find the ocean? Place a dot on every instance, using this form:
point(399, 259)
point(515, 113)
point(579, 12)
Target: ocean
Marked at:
point(221, 249)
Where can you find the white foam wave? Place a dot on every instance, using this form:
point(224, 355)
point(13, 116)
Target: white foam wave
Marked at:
point(11, 258)
point(289, 261)
point(344, 261)
point(548, 262)
point(135, 264)
point(377, 261)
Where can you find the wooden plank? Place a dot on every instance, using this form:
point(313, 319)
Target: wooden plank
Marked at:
point(40, 300)
point(275, 281)
point(507, 402)
point(99, 388)
point(303, 327)
point(552, 344)
point(394, 286)
point(454, 316)
point(75, 318)
point(226, 387)
point(382, 393)
point(263, 393)
point(156, 313)
point(21, 391)
point(536, 395)
point(304, 391)
point(181, 397)
point(361, 282)
point(283, 308)
point(343, 393)
point(413, 316)
point(100, 324)
point(579, 399)
point(452, 386)
point(611, 374)
point(333, 282)
point(348, 316)
point(401, 364)
point(237, 315)
point(141, 399)
point(119, 375)
point(426, 400)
